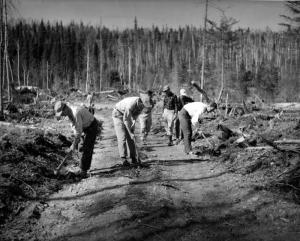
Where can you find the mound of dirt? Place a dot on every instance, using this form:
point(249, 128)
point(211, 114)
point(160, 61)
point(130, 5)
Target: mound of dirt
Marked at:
point(27, 161)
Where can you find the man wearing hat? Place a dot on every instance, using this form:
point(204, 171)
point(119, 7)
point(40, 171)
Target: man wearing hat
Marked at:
point(83, 122)
point(124, 116)
point(190, 115)
point(146, 115)
point(182, 101)
point(169, 112)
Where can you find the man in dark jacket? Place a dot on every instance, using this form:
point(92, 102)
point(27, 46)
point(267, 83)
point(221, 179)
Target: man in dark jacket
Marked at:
point(169, 112)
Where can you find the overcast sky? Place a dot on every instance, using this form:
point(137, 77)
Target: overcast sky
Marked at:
point(172, 13)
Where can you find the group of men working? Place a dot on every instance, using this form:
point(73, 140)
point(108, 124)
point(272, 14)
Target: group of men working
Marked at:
point(178, 113)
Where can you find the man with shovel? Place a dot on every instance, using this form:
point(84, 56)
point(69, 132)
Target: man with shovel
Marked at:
point(124, 116)
point(83, 122)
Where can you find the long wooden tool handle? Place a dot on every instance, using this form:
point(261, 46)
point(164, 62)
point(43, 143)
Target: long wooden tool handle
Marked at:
point(62, 162)
point(201, 91)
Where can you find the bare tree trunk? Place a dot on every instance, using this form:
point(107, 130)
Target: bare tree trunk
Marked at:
point(47, 76)
point(18, 70)
point(27, 78)
point(1, 56)
point(129, 69)
point(24, 76)
point(87, 69)
point(5, 50)
point(203, 49)
point(10, 70)
point(222, 71)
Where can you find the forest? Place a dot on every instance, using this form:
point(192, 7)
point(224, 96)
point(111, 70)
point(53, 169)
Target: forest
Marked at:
point(59, 57)
point(240, 182)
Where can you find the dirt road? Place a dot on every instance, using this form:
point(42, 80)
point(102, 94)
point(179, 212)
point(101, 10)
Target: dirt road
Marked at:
point(172, 198)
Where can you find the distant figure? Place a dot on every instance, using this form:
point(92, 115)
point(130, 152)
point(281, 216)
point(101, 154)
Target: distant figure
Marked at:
point(83, 122)
point(188, 116)
point(146, 116)
point(169, 112)
point(182, 101)
point(124, 116)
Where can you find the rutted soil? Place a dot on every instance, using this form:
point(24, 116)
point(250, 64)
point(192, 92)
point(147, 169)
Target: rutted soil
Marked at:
point(172, 197)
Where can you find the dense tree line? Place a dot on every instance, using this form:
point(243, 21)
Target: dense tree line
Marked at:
point(59, 57)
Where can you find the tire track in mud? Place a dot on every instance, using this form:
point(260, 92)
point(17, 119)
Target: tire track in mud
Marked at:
point(174, 198)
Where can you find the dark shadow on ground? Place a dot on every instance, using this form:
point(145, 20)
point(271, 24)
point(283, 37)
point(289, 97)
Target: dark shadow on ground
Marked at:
point(169, 222)
point(138, 182)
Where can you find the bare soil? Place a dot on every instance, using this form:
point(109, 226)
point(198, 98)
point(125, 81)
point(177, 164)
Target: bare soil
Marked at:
point(238, 193)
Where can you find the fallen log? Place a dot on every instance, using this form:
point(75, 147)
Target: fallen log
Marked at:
point(258, 148)
point(275, 146)
point(287, 141)
point(112, 97)
point(105, 92)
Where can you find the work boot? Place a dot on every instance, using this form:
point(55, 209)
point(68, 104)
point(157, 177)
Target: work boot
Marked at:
point(143, 139)
point(135, 161)
point(80, 173)
point(125, 163)
point(170, 142)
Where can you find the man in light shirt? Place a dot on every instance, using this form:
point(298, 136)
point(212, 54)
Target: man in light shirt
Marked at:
point(124, 116)
point(83, 122)
point(188, 116)
point(183, 99)
point(146, 117)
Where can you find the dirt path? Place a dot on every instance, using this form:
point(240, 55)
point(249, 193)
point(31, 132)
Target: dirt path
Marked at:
point(175, 198)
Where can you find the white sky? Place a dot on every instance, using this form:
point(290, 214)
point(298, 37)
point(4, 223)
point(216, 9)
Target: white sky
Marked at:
point(172, 13)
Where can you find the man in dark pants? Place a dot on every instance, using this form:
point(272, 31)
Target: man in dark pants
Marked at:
point(169, 112)
point(182, 101)
point(188, 116)
point(83, 122)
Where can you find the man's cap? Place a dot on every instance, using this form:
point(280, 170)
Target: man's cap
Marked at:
point(183, 92)
point(166, 88)
point(213, 105)
point(58, 107)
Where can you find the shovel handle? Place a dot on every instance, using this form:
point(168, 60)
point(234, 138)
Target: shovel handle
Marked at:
point(62, 162)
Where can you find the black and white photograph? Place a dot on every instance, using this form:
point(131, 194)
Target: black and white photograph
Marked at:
point(149, 120)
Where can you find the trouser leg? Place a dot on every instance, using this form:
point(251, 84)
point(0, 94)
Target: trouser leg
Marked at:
point(130, 144)
point(88, 146)
point(186, 127)
point(177, 129)
point(121, 136)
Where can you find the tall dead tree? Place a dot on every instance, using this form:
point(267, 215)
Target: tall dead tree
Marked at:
point(5, 50)
point(87, 69)
point(203, 49)
point(18, 70)
point(1, 56)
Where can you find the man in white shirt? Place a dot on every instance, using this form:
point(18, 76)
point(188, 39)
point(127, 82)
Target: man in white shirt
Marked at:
point(145, 117)
point(188, 116)
point(124, 116)
point(83, 122)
